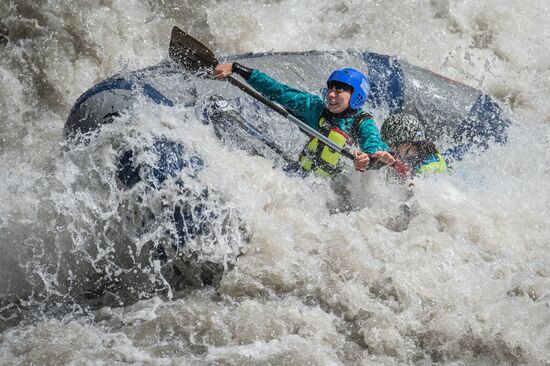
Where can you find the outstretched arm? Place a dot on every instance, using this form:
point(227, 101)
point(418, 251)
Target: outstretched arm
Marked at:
point(224, 70)
point(305, 106)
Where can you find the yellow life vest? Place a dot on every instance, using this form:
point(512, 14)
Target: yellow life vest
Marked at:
point(438, 166)
point(321, 159)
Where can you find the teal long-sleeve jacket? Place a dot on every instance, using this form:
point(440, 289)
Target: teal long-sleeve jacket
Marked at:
point(309, 108)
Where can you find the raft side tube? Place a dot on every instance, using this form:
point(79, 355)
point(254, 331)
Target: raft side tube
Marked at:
point(106, 100)
point(163, 84)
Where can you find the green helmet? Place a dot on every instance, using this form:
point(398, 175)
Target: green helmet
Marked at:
point(401, 128)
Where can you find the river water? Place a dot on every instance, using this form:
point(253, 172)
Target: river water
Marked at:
point(458, 273)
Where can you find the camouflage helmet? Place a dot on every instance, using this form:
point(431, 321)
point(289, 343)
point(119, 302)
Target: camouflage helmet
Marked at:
point(401, 128)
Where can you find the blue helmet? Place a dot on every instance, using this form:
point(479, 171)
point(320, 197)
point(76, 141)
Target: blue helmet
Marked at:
point(357, 80)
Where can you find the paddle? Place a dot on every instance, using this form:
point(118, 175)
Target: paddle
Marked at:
point(222, 106)
point(195, 56)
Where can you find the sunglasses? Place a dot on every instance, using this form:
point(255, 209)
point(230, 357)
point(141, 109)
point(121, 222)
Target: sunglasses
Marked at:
point(338, 87)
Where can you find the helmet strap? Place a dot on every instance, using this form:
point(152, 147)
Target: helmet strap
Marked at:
point(347, 113)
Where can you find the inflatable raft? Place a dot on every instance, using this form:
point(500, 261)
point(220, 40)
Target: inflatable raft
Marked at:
point(457, 116)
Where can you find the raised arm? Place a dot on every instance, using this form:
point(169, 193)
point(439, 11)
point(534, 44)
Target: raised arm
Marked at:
point(305, 106)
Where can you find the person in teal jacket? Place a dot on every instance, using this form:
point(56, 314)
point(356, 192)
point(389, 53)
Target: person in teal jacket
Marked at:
point(340, 117)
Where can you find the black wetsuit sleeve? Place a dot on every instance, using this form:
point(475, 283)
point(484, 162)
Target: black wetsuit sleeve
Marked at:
point(241, 70)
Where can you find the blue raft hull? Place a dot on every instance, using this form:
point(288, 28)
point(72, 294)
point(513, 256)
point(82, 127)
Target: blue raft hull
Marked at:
point(453, 113)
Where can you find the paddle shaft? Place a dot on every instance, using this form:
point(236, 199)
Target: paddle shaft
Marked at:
point(304, 127)
point(257, 134)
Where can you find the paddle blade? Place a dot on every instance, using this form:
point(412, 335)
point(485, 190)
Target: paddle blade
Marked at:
point(186, 51)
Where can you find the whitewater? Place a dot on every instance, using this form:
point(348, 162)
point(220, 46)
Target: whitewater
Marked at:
point(455, 271)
